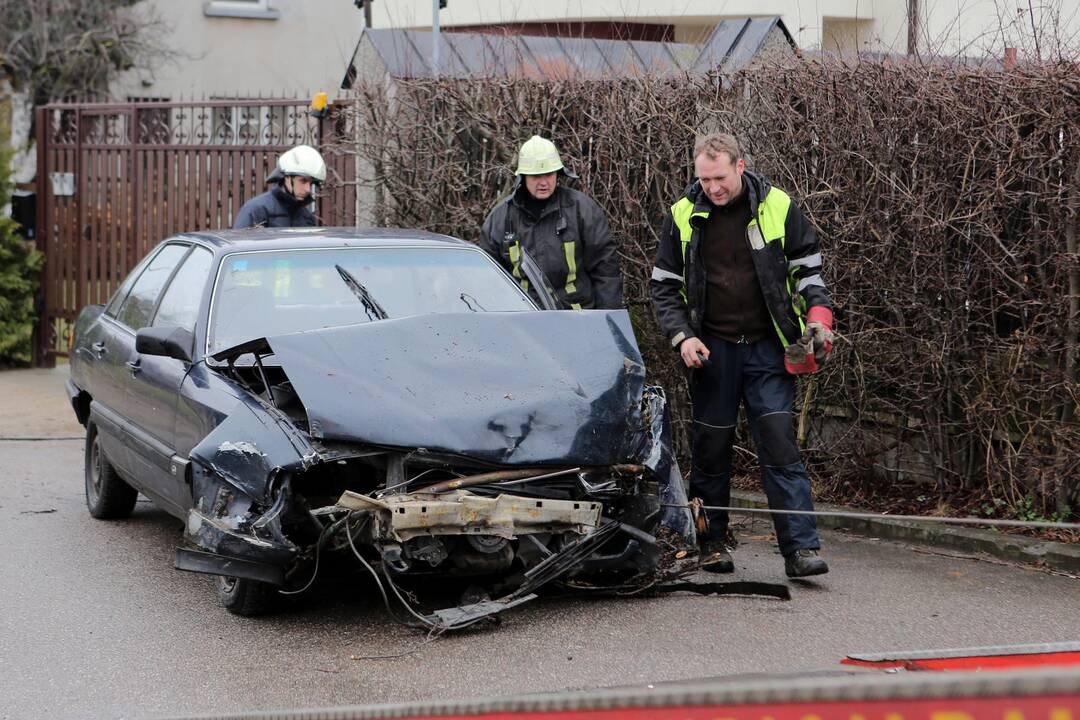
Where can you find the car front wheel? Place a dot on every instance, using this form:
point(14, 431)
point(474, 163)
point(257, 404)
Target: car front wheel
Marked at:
point(107, 495)
point(248, 598)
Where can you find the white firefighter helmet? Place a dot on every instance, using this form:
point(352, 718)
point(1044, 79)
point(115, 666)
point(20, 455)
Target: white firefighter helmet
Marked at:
point(303, 160)
point(538, 157)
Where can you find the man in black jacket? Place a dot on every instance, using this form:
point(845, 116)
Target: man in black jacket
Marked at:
point(737, 281)
point(298, 173)
point(564, 231)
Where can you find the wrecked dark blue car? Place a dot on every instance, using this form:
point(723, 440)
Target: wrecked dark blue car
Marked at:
point(394, 398)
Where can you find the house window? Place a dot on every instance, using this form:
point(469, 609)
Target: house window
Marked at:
point(254, 9)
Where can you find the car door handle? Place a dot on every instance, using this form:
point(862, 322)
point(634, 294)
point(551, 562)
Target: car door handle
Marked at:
point(133, 366)
point(99, 348)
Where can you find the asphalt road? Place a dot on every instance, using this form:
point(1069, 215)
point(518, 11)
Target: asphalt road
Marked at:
point(95, 622)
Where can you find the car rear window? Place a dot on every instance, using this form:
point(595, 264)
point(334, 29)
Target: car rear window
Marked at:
point(268, 293)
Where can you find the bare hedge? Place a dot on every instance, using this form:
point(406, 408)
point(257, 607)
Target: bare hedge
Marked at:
point(946, 197)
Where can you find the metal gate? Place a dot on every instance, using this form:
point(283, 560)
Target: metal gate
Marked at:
point(116, 179)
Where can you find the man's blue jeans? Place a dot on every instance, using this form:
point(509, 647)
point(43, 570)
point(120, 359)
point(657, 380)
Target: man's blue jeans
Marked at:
point(753, 374)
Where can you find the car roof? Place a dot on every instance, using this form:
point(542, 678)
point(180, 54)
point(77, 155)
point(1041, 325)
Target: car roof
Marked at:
point(321, 237)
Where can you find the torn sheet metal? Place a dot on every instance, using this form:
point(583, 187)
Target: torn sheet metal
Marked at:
point(522, 388)
point(229, 540)
point(658, 454)
point(462, 513)
point(458, 616)
point(251, 444)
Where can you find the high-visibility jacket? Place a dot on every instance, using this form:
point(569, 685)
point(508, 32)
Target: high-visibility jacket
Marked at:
point(569, 241)
point(785, 252)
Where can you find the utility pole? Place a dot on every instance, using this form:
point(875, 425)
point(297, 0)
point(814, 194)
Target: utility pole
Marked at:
point(364, 5)
point(912, 28)
point(435, 35)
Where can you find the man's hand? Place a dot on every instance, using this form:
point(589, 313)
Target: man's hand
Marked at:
point(690, 348)
point(819, 328)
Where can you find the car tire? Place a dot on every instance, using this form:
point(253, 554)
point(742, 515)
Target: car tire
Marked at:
point(108, 497)
point(244, 597)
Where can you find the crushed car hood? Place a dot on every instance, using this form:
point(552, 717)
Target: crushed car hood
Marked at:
point(522, 388)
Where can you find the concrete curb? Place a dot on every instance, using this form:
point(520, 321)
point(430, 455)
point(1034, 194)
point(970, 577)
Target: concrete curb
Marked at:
point(1015, 548)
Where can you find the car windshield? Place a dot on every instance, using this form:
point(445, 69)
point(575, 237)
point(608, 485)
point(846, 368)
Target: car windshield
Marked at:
point(259, 294)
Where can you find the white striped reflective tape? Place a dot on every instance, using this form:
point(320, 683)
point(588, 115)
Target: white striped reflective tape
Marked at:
point(678, 339)
point(810, 281)
point(659, 274)
point(808, 261)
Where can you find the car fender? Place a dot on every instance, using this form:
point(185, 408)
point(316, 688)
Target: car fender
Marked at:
point(251, 446)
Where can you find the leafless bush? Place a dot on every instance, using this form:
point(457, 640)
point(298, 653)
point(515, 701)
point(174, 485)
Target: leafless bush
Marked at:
point(54, 49)
point(946, 197)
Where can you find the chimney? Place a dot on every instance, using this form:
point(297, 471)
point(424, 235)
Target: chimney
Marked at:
point(1010, 58)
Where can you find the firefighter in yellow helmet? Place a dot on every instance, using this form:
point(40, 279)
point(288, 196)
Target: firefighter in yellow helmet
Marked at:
point(563, 230)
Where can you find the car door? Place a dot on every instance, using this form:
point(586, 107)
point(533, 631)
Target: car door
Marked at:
point(138, 457)
point(97, 366)
point(155, 381)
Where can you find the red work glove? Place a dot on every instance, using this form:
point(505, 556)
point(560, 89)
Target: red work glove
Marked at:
point(819, 327)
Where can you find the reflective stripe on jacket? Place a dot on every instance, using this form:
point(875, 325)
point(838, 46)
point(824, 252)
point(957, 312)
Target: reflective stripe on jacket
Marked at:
point(569, 241)
point(784, 248)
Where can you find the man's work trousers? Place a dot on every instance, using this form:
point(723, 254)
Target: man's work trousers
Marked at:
point(754, 374)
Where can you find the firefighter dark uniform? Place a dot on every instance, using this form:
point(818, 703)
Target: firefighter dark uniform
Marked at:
point(565, 234)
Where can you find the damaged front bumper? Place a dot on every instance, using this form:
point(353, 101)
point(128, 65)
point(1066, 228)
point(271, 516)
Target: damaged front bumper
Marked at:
point(264, 511)
point(399, 518)
point(233, 550)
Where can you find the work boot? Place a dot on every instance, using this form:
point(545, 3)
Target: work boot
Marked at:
point(716, 557)
point(804, 563)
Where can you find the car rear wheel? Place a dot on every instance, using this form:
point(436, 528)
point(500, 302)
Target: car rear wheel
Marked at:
point(248, 598)
point(108, 497)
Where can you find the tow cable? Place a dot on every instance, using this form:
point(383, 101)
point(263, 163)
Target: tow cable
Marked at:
point(987, 522)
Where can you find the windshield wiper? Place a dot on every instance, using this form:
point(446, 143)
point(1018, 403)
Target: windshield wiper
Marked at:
point(471, 302)
point(371, 306)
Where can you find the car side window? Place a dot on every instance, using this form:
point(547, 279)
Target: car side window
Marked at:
point(125, 289)
point(179, 306)
point(140, 302)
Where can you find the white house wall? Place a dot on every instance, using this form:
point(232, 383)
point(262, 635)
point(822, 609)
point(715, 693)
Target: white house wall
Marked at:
point(947, 27)
point(802, 17)
point(24, 159)
point(985, 27)
point(308, 45)
point(305, 49)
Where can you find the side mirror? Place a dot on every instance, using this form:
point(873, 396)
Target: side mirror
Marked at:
point(174, 342)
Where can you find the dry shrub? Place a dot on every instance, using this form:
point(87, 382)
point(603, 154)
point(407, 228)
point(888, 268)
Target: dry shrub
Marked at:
point(946, 198)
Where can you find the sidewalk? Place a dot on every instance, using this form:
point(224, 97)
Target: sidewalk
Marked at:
point(33, 404)
point(1063, 557)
